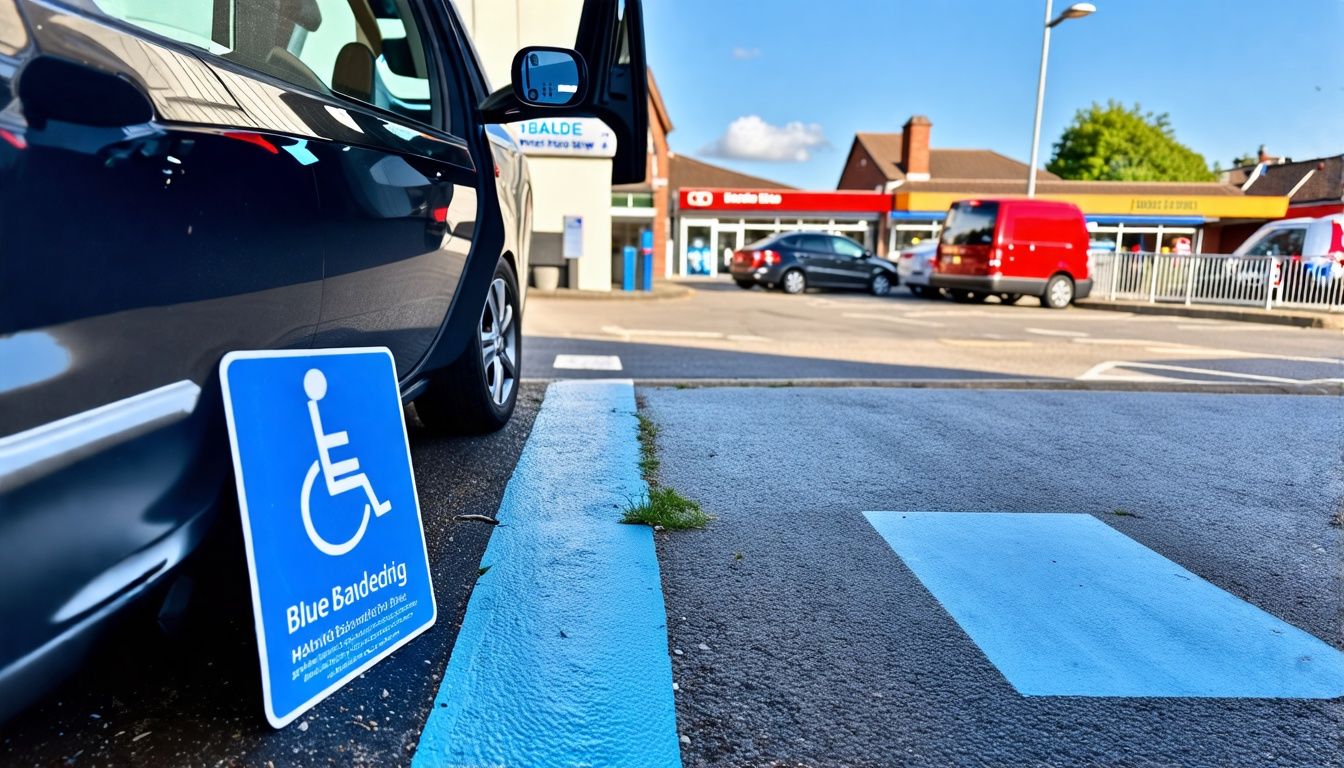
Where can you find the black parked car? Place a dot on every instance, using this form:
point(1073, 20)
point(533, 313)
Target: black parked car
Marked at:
point(796, 261)
point(184, 178)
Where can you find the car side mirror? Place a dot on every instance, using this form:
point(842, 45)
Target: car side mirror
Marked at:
point(549, 77)
point(867, 254)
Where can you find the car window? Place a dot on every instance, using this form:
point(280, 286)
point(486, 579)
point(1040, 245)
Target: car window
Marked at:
point(847, 248)
point(970, 224)
point(814, 243)
point(374, 53)
point(1280, 242)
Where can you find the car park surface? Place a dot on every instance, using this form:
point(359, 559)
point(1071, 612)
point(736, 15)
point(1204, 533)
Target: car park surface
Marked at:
point(719, 332)
point(805, 639)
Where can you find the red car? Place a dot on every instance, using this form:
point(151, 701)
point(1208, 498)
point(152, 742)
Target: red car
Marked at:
point(1014, 248)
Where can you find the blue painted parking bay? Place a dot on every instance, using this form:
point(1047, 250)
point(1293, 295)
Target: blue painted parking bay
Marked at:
point(1065, 605)
point(562, 657)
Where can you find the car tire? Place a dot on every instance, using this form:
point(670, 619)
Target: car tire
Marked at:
point(880, 285)
point(1058, 292)
point(477, 393)
point(745, 285)
point(1010, 298)
point(793, 281)
point(961, 297)
point(915, 290)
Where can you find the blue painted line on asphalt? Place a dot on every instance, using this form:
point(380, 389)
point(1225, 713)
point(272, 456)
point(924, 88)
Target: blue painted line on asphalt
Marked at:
point(562, 656)
point(1065, 605)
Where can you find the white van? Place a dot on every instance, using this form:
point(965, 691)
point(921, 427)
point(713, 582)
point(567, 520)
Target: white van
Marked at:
point(1311, 253)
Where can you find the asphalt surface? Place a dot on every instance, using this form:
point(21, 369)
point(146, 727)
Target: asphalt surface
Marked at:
point(722, 332)
point(193, 696)
point(801, 639)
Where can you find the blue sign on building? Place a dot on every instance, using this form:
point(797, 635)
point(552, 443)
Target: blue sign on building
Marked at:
point(331, 520)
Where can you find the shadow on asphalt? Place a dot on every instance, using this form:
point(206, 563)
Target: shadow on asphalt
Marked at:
point(669, 361)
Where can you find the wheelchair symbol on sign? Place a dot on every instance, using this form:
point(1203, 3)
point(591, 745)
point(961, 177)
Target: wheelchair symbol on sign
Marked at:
point(339, 476)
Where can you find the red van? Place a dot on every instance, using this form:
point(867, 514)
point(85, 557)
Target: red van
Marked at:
point(1014, 248)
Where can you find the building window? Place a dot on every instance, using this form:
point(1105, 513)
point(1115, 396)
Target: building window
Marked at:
point(632, 200)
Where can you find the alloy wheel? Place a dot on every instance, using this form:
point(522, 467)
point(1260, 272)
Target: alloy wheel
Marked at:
point(499, 343)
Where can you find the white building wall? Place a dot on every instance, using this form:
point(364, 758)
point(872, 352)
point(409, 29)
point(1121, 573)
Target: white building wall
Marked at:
point(560, 186)
point(577, 186)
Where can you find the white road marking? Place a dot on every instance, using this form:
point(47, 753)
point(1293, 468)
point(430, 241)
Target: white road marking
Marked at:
point(660, 333)
point(1051, 332)
point(1099, 372)
point(587, 362)
point(987, 343)
point(892, 319)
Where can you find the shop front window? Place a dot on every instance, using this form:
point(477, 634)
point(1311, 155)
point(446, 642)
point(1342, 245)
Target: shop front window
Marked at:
point(699, 251)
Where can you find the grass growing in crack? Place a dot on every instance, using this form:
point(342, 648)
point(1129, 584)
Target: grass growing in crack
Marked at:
point(1122, 512)
point(648, 458)
point(663, 508)
point(666, 508)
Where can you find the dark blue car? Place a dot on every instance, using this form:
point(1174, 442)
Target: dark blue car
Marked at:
point(184, 178)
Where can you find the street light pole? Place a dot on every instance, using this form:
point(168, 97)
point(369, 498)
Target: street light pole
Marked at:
point(1040, 103)
point(1075, 11)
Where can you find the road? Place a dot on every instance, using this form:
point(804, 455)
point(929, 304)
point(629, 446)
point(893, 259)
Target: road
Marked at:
point(801, 638)
point(723, 332)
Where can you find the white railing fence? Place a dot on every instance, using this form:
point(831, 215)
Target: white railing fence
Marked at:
point(1254, 281)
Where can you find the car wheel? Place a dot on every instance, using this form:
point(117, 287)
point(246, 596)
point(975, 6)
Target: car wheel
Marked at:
point(1010, 298)
point(961, 297)
point(477, 393)
point(794, 281)
point(745, 285)
point(880, 285)
point(1058, 292)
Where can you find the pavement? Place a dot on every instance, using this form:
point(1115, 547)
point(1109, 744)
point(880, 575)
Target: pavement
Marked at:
point(1278, 316)
point(801, 637)
point(722, 332)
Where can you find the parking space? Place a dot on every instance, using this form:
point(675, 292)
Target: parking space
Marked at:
point(1165, 591)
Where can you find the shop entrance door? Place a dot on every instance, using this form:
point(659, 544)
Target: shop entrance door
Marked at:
point(697, 249)
point(727, 238)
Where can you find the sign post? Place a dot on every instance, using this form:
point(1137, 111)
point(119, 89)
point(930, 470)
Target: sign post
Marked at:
point(331, 520)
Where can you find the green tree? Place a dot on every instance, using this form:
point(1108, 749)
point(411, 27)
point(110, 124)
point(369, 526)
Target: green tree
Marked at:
point(1113, 143)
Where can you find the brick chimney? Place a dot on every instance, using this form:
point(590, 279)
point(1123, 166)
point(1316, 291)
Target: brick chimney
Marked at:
point(915, 148)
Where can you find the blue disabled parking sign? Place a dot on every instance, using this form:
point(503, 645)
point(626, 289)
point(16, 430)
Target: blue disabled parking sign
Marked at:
point(331, 520)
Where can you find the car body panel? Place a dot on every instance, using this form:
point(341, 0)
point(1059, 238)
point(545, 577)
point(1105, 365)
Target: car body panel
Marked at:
point(915, 265)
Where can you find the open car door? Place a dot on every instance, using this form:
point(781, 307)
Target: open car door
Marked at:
point(610, 83)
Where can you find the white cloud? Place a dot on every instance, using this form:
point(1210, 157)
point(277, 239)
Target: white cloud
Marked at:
point(751, 138)
point(742, 54)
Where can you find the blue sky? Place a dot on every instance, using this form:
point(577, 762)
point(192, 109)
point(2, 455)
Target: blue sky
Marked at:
point(1232, 74)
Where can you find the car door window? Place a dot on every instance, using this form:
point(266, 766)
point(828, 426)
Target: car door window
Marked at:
point(1283, 242)
point(815, 244)
point(848, 249)
point(373, 51)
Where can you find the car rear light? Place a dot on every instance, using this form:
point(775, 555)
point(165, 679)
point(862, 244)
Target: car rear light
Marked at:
point(908, 255)
point(770, 258)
